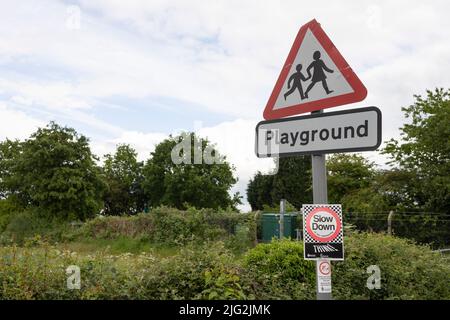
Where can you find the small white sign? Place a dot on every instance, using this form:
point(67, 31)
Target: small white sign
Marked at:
point(324, 276)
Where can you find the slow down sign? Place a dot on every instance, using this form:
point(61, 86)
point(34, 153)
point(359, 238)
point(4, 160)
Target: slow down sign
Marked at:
point(322, 229)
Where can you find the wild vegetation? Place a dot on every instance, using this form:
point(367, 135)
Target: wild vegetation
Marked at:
point(209, 270)
point(162, 230)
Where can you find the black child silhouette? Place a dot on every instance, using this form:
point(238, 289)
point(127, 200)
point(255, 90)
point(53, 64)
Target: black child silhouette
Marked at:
point(297, 78)
point(319, 74)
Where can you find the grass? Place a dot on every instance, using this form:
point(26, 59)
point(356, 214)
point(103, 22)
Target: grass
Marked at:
point(120, 245)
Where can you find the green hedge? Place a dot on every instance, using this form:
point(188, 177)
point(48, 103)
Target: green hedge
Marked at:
point(173, 227)
point(210, 271)
point(206, 272)
point(162, 225)
point(408, 271)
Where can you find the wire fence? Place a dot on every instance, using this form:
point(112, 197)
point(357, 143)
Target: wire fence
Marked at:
point(431, 228)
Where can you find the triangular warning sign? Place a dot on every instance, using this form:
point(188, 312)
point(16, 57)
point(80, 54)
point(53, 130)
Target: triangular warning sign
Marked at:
point(315, 76)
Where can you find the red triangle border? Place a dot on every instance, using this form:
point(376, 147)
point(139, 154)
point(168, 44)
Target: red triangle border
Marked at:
point(359, 90)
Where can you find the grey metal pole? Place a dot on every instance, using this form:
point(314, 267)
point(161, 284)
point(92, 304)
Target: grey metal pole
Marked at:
point(282, 211)
point(320, 196)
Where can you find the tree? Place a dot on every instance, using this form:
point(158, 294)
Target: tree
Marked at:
point(259, 191)
point(291, 182)
point(348, 173)
point(424, 150)
point(123, 175)
point(179, 174)
point(54, 170)
point(9, 153)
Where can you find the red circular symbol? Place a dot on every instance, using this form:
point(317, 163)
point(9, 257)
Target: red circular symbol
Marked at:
point(325, 268)
point(323, 224)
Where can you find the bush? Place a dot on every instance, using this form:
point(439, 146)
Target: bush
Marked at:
point(278, 271)
point(30, 222)
point(281, 257)
point(8, 208)
point(114, 227)
point(269, 271)
point(207, 272)
point(408, 271)
point(173, 227)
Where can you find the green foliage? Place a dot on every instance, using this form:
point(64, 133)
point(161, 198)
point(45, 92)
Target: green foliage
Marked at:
point(123, 175)
point(210, 271)
point(173, 227)
point(276, 208)
point(204, 273)
point(424, 150)
point(207, 272)
point(29, 223)
point(277, 270)
point(281, 257)
point(348, 173)
point(259, 191)
point(54, 170)
point(8, 207)
point(292, 182)
point(191, 183)
point(9, 153)
point(243, 237)
point(408, 271)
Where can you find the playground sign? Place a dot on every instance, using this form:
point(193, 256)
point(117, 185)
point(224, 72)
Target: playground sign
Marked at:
point(340, 131)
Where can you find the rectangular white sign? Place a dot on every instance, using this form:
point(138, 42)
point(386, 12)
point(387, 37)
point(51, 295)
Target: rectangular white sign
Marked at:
point(323, 274)
point(340, 131)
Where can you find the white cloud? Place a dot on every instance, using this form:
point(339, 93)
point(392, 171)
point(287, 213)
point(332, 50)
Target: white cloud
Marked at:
point(223, 56)
point(16, 124)
point(143, 143)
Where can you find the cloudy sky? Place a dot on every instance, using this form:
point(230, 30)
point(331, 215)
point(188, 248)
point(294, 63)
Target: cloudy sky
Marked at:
point(135, 71)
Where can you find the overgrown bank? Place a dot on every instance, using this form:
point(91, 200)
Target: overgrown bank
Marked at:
point(210, 271)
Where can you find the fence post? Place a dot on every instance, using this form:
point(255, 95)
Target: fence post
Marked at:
point(282, 211)
point(257, 214)
point(389, 221)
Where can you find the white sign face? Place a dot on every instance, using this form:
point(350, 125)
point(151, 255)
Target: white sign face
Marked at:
point(341, 131)
point(314, 77)
point(324, 225)
point(323, 233)
point(334, 81)
point(324, 276)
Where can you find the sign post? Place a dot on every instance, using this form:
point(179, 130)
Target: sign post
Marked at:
point(314, 77)
point(320, 195)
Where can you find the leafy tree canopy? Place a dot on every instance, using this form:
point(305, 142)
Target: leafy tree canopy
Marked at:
point(180, 174)
point(292, 182)
point(55, 170)
point(424, 150)
point(348, 173)
point(123, 175)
